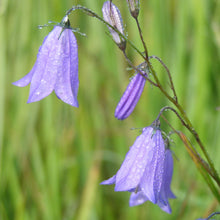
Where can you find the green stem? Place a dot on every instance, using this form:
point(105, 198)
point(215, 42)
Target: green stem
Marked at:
point(196, 136)
point(172, 100)
point(169, 75)
point(138, 70)
point(142, 39)
point(210, 184)
point(93, 14)
point(201, 165)
point(187, 121)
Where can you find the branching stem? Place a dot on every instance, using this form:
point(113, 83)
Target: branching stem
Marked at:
point(142, 39)
point(184, 118)
point(138, 70)
point(173, 110)
point(169, 75)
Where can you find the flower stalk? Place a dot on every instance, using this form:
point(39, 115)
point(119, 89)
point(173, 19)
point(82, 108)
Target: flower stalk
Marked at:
point(174, 100)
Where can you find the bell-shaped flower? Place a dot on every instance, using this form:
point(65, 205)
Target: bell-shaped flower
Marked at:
point(56, 67)
point(112, 15)
point(130, 97)
point(146, 171)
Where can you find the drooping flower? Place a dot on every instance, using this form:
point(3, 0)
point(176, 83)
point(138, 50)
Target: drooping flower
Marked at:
point(130, 97)
point(56, 67)
point(146, 171)
point(112, 15)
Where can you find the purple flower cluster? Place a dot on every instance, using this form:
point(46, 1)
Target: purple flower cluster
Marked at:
point(148, 166)
point(146, 171)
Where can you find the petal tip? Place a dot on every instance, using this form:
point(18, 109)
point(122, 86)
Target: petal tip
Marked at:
point(109, 181)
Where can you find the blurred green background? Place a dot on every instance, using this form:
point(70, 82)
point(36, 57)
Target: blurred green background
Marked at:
point(53, 156)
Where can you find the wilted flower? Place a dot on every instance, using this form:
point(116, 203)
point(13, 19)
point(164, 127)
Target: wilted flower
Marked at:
point(130, 97)
point(146, 171)
point(134, 7)
point(112, 15)
point(56, 67)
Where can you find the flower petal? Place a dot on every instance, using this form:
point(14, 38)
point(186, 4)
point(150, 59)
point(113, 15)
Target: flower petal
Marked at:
point(165, 207)
point(165, 191)
point(109, 181)
point(168, 166)
point(137, 198)
point(131, 171)
point(47, 64)
point(151, 181)
point(67, 83)
point(26, 79)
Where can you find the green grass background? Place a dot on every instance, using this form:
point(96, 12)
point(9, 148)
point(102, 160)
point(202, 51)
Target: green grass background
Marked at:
point(53, 156)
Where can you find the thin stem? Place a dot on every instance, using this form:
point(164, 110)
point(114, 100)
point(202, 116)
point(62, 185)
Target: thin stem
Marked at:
point(211, 185)
point(172, 109)
point(93, 14)
point(191, 149)
point(215, 213)
point(198, 160)
point(158, 82)
point(142, 39)
point(149, 64)
point(196, 136)
point(139, 71)
point(188, 122)
point(178, 133)
point(169, 75)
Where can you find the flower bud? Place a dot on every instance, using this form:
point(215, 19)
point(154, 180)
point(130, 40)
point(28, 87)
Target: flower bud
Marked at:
point(112, 15)
point(132, 93)
point(134, 7)
point(130, 97)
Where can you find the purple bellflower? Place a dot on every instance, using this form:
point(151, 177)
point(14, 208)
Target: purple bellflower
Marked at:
point(130, 97)
point(146, 171)
point(56, 67)
point(112, 15)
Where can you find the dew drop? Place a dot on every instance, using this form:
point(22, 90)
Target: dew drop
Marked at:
point(43, 81)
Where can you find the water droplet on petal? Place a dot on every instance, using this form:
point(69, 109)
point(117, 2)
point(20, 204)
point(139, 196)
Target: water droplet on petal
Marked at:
point(43, 81)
